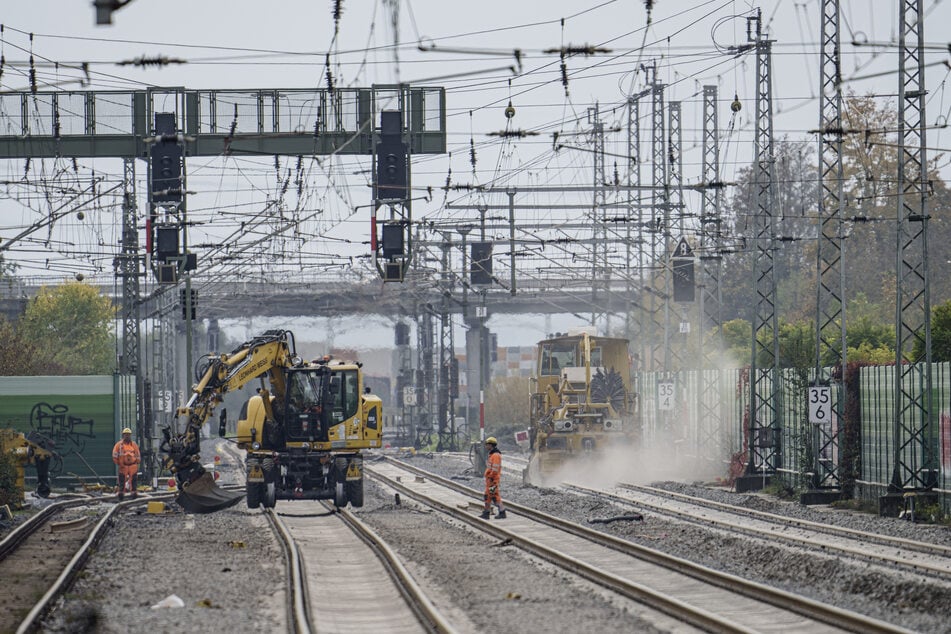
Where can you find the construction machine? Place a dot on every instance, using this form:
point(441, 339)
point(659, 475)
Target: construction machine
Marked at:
point(582, 403)
point(32, 449)
point(303, 432)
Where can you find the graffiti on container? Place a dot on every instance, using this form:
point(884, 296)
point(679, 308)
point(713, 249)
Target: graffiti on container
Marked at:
point(67, 433)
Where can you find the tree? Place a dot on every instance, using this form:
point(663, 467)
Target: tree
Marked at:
point(940, 334)
point(72, 325)
point(20, 357)
point(737, 336)
point(796, 195)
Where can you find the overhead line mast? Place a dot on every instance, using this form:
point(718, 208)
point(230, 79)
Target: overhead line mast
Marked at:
point(763, 442)
point(914, 432)
point(830, 256)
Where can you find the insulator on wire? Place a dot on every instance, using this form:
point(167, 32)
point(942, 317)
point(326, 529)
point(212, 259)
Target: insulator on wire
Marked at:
point(472, 153)
point(564, 76)
point(330, 77)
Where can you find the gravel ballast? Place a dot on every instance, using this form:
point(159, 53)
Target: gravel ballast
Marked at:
point(228, 569)
point(911, 601)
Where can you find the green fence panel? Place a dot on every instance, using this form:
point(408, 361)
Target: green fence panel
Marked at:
point(76, 413)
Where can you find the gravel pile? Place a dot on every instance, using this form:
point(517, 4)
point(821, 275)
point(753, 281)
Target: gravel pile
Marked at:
point(911, 601)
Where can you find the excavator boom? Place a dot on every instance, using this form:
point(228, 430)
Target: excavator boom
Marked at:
point(198, 492)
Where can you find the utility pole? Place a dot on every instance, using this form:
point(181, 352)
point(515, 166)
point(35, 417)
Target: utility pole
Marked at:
point(710, 337)
point(828, 406)
point(675, 351)
point(599, 252)
point(447, 355)
point(765, 394)
point(634, 202)
point(425, 379)
point(914, 431)
point(659, 224)
point(128, 267)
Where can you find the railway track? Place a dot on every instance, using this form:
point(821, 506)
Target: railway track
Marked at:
point(933, 560)
point(44, 554)
point(701, 597)
point(334, 557)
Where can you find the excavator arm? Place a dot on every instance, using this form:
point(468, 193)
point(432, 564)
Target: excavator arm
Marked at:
point(265, 355)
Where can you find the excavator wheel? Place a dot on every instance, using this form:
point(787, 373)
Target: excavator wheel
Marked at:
point(254, 494)
point(354, 490)
point(340, 495)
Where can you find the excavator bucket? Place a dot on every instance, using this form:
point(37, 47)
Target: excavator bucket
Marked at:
point(204, 496)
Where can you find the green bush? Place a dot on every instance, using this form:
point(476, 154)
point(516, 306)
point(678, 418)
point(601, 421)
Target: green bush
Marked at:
point(10, 493)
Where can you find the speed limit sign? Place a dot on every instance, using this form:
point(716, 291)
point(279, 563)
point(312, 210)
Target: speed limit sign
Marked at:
point(820, 404)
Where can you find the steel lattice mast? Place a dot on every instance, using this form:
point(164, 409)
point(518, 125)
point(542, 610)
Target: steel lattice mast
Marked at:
point(447, 438)
point(913, 432)
point(660, 212)
point(599, 260)
point(634, 202)
point(830, 253)
point(129, 270)
point(765, 395)
point(710, 337)
point(675, 351)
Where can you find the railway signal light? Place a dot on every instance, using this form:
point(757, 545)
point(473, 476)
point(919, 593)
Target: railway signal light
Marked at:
point(166, 161)
point(391, 159)
point(188, 301)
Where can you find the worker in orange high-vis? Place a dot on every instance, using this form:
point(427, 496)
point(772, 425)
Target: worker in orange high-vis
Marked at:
point(126, 455)
point(493, 477)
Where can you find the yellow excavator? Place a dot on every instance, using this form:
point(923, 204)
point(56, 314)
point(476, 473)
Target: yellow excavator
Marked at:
point(303, 431)
point(25, 450)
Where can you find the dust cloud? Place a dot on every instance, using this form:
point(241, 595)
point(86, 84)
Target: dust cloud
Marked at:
point(606, 468)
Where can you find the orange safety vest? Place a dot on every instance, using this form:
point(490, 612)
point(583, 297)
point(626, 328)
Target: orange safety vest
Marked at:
point(126, 455)
point(493, 466)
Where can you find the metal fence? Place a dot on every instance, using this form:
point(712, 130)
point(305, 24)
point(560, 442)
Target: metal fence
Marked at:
point(671, 405)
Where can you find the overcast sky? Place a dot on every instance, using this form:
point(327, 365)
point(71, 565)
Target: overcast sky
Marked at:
point(244, 44)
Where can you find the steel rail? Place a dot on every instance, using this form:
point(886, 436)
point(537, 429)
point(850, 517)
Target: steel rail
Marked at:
point(298, 608)
point(803, 606)
point(16, 537)
point(31, 623)
point(660, 601)
point(415, 596)
point(884, 540)
point(943, 571)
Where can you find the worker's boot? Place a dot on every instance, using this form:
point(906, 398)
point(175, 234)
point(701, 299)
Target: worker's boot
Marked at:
point(485, 514)
point(501, 515)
